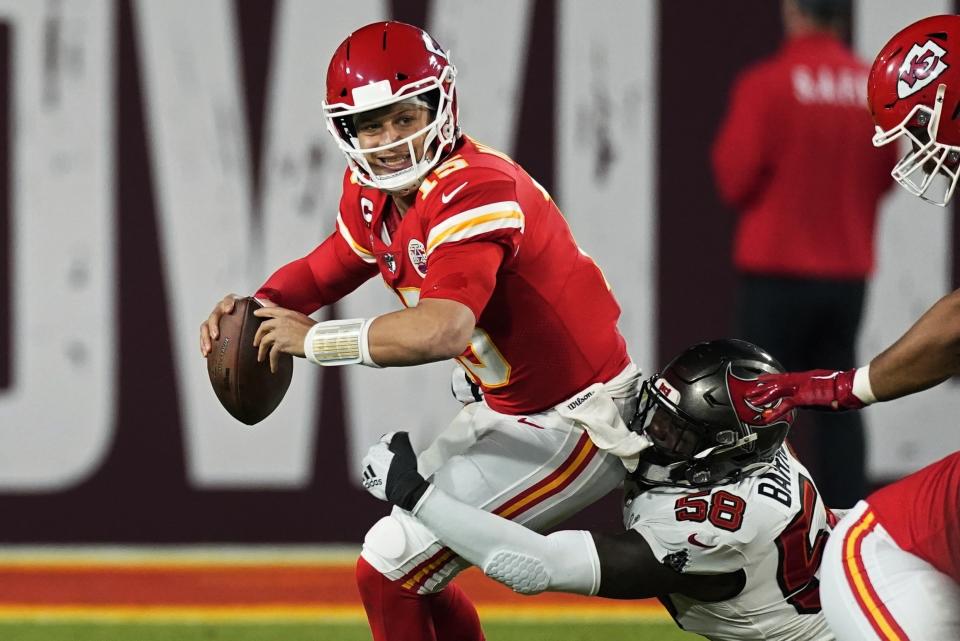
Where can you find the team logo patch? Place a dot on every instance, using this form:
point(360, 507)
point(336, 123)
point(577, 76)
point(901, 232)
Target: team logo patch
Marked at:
point(390, 262)
point(431, 46)
point(418, 256)
point(667, 390)
point(922, 65)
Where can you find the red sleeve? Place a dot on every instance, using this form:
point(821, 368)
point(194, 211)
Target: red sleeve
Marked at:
point(474, 205)
point(466, 273)
point(324, 276)
point(743, 150)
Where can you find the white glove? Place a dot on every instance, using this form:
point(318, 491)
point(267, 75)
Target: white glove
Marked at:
point(390, 471)
point(375, 466)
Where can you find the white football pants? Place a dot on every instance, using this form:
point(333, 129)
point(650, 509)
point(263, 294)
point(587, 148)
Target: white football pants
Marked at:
point(535, 469)
point(872, 590)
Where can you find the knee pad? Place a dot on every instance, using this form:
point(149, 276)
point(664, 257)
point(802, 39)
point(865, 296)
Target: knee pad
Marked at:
point(386, 539)
point(398, 544)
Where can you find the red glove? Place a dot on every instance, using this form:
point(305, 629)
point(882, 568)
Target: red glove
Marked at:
point(818, 388)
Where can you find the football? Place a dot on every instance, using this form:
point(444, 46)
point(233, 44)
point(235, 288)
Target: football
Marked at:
point(245, 387)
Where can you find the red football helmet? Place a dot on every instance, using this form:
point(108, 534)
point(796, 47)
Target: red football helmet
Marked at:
point(914, 91)
point(381, 64)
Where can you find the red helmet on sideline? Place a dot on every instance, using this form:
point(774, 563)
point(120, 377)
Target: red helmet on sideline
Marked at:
point(914, 91)
point(382, 64)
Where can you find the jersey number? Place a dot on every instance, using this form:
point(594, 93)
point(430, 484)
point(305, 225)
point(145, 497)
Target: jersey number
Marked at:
point(724, 510)
point(484, 361)
point(799, 559)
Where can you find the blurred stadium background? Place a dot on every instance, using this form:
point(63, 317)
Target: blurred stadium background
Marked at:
point(155, 155)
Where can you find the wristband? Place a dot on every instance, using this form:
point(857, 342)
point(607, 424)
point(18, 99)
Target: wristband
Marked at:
point(861, 385)
point(339, 342)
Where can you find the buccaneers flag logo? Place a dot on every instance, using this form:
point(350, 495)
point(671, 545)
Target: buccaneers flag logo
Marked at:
point(922, 65)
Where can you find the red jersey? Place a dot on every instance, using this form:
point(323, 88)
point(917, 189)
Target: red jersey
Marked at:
point(794, 157)
point(922, 514)
point(481, 232)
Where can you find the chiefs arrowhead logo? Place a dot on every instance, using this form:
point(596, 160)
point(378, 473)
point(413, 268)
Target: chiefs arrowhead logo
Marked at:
point(922, 65)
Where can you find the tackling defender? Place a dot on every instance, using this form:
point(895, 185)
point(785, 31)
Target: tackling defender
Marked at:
point(891, 571)
point(488, 273)
point(723, 523)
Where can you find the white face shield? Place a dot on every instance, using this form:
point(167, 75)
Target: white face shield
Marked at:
point(930, 169)
point(439, 135)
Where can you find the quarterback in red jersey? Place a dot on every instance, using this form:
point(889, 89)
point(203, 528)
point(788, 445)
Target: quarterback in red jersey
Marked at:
point(891, 570)
point(488, 273)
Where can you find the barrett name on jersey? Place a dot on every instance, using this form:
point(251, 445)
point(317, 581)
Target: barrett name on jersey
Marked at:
point(772, 527)
point(546, 324)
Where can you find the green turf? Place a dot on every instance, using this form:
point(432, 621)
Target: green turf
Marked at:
point(331, 632)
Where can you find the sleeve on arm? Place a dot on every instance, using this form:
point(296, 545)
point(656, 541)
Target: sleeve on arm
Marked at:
point(324, 276)
point(483, 208)
point(466, 273)
point(523, 560)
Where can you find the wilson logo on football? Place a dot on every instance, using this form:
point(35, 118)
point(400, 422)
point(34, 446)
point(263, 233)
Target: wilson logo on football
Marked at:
point(922, 65)
point(418, 256)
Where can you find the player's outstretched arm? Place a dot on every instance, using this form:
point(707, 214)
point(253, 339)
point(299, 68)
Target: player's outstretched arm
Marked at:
point(575, 561)
point(925, 356)
point(303, 285)
point(435, 330)
point(629, 570)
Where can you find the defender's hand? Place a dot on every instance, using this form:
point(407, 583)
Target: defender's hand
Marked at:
point(282, 332)
point(819, 389)
point(390, 471)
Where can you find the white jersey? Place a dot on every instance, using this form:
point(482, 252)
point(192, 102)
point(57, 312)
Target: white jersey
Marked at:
point(773, 526)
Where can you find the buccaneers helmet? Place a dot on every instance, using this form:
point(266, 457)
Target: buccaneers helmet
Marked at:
point(702, 430)
point(382, 64)
point(914, 91)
